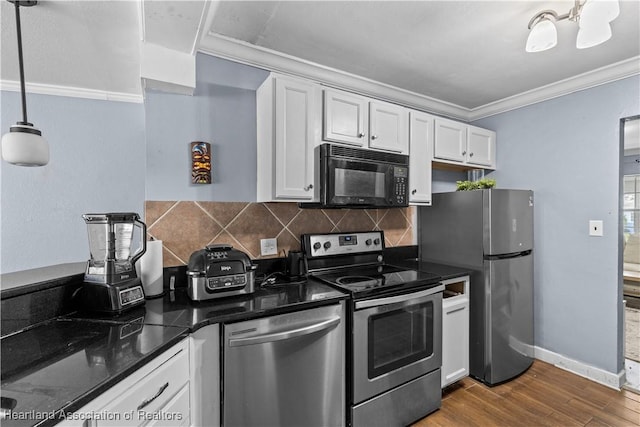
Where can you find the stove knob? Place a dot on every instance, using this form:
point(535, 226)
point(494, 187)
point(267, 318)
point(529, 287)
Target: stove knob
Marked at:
point(327, 245)
point(368, 242)
point(316, 246)
point(376, 242)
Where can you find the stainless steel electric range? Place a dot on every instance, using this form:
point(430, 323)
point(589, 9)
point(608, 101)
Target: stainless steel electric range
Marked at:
point(394, 344)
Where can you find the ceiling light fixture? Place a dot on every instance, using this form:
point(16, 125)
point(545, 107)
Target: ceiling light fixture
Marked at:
point(593, 18)
point(24, 144)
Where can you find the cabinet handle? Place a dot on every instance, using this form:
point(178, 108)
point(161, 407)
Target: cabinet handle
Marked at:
point(160, 391)
point(455, 310)
point(470, 154)
point(414, 191)
point(361, 135)
point(308, 187)
point(374, 137)
point(464, 153)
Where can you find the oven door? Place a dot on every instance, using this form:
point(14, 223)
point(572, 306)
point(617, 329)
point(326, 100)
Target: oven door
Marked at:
point(396, 339)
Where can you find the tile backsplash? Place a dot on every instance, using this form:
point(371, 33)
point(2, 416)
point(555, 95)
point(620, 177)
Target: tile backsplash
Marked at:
point(186, 226)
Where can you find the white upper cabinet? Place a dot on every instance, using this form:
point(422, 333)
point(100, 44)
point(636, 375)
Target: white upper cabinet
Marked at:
point(286, 125)
point(345, 117)
point(421, 128)
point(481, 147)
point(356, 120)
point(388, 127)
point(462, 144)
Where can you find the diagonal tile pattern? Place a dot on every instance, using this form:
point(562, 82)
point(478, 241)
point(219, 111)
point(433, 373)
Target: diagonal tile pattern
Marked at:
point(185, 226)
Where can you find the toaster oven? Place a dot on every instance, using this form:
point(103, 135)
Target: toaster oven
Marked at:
point(219, 271)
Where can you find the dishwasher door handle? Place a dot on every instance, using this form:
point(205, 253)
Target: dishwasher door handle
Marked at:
point(285, 335)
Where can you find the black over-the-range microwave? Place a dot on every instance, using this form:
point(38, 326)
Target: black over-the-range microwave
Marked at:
point(357, 178)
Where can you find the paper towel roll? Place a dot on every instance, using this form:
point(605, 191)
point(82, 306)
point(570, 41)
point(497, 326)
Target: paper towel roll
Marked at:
point(151, 269)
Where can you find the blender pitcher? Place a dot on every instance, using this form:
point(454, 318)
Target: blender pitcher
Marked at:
point(110, 244)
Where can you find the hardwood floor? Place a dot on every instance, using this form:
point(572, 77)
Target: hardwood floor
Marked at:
point(542, 396)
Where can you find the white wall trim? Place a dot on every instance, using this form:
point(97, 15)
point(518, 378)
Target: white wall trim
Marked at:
point(607, 74)
point(246, 53)
point(609, 379)
point(74, 92)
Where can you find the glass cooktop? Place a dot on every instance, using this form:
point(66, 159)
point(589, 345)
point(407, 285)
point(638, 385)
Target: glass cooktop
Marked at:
point(374, 279)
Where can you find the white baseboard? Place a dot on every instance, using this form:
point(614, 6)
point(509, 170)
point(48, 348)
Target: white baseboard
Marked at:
point(609, 379)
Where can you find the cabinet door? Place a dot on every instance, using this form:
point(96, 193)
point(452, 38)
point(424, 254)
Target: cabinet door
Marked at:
point(450, 140)
point(481, 146)
point(455, 339)
point(420, 153)
point(293, 139)
point(345, 117)
point(388, 127)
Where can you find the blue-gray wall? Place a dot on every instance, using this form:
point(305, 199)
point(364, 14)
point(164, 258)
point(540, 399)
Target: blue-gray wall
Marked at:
point(567, 150)
point(222, 111)
point(97, 165)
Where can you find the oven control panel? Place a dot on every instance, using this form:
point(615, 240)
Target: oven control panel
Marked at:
point(343, 243)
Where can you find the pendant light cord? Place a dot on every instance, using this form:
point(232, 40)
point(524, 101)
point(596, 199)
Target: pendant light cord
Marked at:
point(21, 64)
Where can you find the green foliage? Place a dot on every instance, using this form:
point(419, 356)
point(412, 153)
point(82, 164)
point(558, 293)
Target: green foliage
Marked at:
point(475, 185)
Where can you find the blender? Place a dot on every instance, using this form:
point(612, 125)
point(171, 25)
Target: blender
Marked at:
point(111, 284)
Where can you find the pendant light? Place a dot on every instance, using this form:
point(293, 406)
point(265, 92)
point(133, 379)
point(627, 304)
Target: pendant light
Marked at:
point(24, 144)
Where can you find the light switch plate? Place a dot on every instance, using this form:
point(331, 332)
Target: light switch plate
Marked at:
point(596, 228)
point(268, 247)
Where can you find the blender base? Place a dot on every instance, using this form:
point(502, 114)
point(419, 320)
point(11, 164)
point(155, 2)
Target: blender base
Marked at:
point(112, 298)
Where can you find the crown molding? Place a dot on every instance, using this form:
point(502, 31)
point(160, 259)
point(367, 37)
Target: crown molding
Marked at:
point(610, 73)
point(73, 92)
point(246, 53)
point(249, 54)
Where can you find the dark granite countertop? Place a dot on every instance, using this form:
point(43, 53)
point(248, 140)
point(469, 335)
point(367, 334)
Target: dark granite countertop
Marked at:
point(443, 270)
point(176, 309)
point(62, 364)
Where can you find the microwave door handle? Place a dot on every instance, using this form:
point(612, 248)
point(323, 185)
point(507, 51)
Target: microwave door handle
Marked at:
point(410, 298)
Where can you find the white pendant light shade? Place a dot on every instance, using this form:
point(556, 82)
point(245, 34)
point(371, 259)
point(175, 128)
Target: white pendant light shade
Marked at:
point(25, 146)
point(593, 35)
point(597, 12)
point(543, 36)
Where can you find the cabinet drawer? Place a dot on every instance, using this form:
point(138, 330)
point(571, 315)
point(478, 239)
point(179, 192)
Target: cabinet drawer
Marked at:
point(151, 393)
point(176, 412)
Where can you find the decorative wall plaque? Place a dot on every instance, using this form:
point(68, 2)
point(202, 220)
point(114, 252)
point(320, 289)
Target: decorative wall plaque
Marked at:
point(200, 162)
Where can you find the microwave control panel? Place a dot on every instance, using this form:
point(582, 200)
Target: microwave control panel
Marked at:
point(401, 181)
point(340, 244)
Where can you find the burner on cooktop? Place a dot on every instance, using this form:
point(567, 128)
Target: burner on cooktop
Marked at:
point(348, 280)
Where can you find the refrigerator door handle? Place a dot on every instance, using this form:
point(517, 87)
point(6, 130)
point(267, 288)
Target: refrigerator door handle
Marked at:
point(507, 256)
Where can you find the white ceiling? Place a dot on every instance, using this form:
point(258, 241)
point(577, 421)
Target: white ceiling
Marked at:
point(467, 53)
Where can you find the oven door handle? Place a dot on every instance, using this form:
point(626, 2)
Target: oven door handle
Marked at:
point(398, 299)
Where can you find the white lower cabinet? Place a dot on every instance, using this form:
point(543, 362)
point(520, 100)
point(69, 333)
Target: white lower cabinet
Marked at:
point(204, 355)
point(155, 395)
point(455, 330)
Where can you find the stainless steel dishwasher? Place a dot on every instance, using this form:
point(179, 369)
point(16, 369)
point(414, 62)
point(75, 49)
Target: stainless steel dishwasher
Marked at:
point(285, 370)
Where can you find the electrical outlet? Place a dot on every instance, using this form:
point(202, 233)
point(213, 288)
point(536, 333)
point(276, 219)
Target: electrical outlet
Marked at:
point(268, 247)
point(596, 228)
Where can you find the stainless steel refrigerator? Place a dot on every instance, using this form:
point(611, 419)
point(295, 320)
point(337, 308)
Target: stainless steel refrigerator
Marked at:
point(489, 232)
